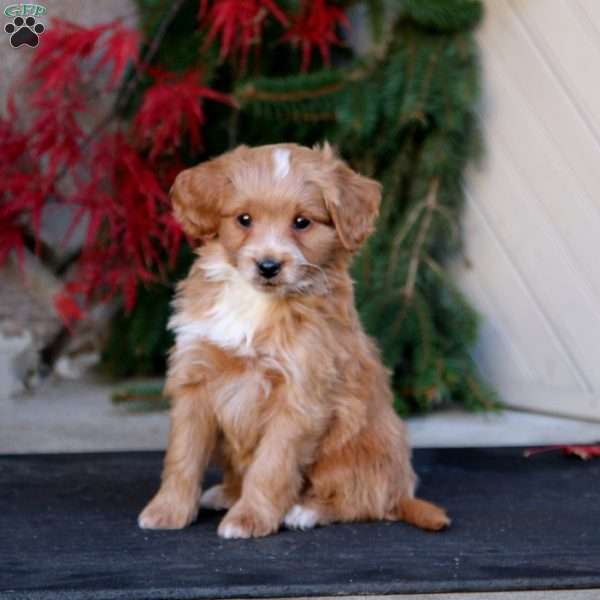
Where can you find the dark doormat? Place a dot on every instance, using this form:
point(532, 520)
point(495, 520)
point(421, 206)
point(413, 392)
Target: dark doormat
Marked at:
point(68, 530)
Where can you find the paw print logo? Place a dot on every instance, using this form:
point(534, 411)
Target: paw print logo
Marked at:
point(24, 31)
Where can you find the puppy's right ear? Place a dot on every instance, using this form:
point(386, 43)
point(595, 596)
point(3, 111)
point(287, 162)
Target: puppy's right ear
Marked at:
point(198, 195)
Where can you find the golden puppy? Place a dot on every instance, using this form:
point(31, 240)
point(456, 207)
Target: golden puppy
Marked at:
point(271, 373)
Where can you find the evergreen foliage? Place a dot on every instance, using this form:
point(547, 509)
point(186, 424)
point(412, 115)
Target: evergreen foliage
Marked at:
point(403, 114)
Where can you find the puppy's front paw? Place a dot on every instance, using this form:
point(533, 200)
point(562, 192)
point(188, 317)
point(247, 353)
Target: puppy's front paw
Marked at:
point(165, 511)
point(243, 522)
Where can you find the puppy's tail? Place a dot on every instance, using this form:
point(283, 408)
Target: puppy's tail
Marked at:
point(422, 514)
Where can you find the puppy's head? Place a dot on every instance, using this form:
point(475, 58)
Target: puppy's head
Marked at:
point(283, 214)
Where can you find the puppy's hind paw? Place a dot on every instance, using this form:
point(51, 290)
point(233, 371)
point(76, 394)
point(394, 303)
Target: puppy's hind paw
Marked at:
point(215, 498)
point(301, 517)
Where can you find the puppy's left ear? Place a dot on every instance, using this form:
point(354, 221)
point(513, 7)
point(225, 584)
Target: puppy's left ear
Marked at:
point(352, 200)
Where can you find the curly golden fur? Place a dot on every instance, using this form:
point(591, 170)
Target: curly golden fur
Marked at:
point(271, 374)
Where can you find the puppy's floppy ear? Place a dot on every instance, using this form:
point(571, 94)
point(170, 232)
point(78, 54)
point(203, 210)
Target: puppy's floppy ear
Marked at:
point(352, 200)
point(198, 195)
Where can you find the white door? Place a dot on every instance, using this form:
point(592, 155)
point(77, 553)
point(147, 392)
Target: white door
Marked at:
point(532, 221)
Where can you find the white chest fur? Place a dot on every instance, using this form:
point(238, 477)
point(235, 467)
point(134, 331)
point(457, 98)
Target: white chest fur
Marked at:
point(232, 322)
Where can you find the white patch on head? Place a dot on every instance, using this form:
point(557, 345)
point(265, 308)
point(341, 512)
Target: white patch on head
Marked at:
point(281, 160)
point(233, 320)
point(300, 517)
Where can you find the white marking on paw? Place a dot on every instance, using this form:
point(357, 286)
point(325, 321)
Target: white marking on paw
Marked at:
point(213, 499)
point(281, 158)
point(230, 531)
point(300, 517)
point(142, 524)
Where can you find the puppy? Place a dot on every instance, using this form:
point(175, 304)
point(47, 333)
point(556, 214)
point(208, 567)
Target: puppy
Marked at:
point(271, 373)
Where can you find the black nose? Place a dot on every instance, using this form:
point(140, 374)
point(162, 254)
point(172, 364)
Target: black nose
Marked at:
point(268, 267)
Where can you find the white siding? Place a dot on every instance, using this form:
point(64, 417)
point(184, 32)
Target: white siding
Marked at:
point(532, 222)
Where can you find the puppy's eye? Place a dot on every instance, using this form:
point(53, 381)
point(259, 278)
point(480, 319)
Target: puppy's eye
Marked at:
point(245, 220)
point(301, 223)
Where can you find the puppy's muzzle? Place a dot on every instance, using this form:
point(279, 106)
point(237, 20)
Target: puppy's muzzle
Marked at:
point(268, 267)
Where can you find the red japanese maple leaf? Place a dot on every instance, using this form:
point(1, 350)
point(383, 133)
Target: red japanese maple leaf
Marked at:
point(582, 451)
point(55, 133)
point(120, 46)
point(239, 23)
point(11, 239)
point(172, 109)
point(65, 44)
point(60, 76)
point(67, 308)
point(128, 234)
point(58, 58)
point(24, 190)
point(315, 27)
